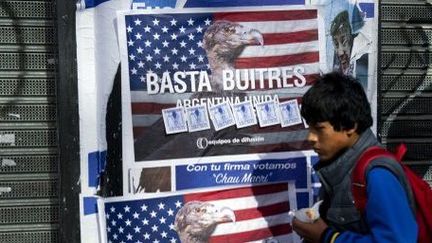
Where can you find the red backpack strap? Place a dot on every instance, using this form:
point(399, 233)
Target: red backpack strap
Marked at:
point(358, 176)
point(400, 151)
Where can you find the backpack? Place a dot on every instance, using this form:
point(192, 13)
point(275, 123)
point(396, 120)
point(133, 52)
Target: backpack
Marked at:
point(422, 192)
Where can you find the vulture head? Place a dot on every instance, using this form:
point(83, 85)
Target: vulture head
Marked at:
point(196, 221)
point(223, 42)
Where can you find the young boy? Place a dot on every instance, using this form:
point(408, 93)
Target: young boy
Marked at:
point(339, 118)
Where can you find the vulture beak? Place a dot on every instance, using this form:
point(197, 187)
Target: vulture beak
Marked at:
point(225, 215)
point(253, 37)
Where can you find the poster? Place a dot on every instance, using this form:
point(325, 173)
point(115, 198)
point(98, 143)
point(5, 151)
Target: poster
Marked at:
point(195, 123)
point(207, 84)
point(239, 214)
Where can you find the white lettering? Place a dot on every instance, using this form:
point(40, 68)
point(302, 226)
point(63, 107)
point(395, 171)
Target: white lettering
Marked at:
point(196, 168)
point(166, 83)
point(298, 72)
point(224, 178)
point(286, 74)
point(180, 86)
point(239, 79)
point(198, 82)
point(152, 83)
point(204, 82)
point(228, 80)
point(274, 76)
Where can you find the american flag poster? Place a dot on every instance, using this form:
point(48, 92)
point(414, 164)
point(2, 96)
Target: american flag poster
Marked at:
point(173, 60)
point(242, 214)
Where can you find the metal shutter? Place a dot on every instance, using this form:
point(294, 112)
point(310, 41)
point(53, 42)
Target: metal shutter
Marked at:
point(29, 190)
point(405, 94)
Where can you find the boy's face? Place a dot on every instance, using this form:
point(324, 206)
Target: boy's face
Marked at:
point(327, 142)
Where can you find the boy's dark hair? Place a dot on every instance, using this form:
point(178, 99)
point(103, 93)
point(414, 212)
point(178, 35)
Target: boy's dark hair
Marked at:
point(338, 99)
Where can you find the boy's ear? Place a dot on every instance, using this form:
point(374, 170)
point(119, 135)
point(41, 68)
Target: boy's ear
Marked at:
point(351, 131)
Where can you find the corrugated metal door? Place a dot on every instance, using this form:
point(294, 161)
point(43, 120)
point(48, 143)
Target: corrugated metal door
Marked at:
point(29, 205)
point(406, 80)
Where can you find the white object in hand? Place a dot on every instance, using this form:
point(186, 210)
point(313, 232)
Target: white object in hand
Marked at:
point(307, 215)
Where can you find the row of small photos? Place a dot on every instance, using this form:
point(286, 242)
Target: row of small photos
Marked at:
point(225, 114)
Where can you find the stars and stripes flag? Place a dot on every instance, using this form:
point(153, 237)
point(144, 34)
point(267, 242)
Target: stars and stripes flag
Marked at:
point(236, 3)
point(261, 213)
point(161, 43)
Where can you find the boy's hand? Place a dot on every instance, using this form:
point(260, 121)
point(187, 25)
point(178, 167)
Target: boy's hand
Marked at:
point(311, 232)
